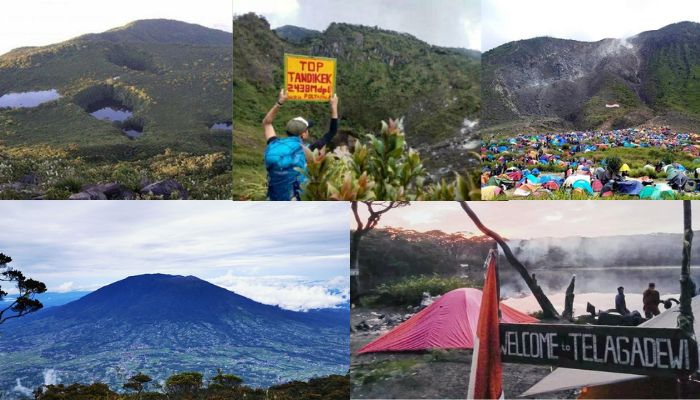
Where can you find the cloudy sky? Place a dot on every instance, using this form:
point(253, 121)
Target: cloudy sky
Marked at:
point(592, 20)
point(532, 219)
point(450, 23)
point(44, 22)
point(295, 255)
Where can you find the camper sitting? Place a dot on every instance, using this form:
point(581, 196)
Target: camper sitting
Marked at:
point(620, 304)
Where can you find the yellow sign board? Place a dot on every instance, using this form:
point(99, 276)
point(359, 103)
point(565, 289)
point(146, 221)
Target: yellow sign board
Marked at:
point(309, 78)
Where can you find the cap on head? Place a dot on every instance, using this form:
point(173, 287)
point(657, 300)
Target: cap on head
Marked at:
point(620, 288)
point(651, 284)
point(298, 125)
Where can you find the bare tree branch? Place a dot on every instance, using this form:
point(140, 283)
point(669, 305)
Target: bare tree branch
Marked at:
point(548, 310)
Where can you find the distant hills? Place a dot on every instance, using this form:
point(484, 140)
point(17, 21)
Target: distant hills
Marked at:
point(174, 77)
point(163, 31)
point(547, 83)
point(295, 33)
point(382, 74)
point(158, 324)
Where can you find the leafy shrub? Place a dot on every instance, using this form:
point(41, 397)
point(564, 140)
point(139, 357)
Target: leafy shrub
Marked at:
point(127, 176)
point(410, 291)
point(613, 163)
point(386, 169)
point(668, 158)
point(70, 185)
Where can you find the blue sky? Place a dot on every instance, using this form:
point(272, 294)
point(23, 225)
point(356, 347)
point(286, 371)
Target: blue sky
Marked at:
point(294, 254)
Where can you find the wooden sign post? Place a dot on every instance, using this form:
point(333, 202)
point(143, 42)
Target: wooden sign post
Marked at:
point(644, 351)
point(309, 78)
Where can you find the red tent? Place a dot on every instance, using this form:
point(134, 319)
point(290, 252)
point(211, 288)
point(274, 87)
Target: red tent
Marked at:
point(449, 323)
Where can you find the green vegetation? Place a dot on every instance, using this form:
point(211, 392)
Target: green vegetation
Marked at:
point(191, 386)
point(407, 263)
point(24, 303)
point(380, 74)
point(176, 91)
point(410, 291)
point(62, 172)
point(594, 113)
point(675, 68)
point(383, 170)
point(385, 369)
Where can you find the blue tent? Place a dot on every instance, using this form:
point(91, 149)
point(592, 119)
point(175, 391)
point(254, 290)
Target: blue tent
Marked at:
point(582, 184)
point(631, 188)
point(502, 149)
point(545, 178)
point(535, 172)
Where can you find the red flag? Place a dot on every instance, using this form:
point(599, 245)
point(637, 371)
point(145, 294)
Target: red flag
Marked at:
point(486, 378)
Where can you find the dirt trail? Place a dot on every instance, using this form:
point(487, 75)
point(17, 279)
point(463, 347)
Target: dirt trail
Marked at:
point(436, 374)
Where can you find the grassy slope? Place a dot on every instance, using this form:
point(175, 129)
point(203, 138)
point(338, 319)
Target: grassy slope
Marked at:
point(675, 68)
point(186, 88)
point(435, 88)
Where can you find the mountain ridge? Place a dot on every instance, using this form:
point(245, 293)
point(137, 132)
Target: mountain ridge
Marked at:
point(158, 323)
point(564, 84)
point(382, 74)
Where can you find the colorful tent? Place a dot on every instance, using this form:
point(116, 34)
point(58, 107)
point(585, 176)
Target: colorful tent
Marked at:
point(489, 192)
point(449, 323)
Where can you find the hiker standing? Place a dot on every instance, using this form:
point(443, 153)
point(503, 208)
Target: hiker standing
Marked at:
point(651, 300)
point(620, 304)
point(283, 156)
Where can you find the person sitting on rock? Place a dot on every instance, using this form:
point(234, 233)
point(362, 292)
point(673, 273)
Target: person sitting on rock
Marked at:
point(283, 156)
point(620, 304)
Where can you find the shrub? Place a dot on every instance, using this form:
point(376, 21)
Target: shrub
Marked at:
point(385, 169)
point(613, 163)
point(668, 159)
point(410, 291)
point(71, 185)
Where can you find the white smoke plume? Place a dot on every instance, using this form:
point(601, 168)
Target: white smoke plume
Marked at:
point(22, 389)
point(50, 377)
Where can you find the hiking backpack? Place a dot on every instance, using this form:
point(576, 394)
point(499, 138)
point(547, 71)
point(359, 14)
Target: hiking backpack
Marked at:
point(281, 157)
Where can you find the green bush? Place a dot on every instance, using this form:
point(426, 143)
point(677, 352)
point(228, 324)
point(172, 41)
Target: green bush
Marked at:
point(410, 291)
point(613, 163)
point(639, 172)
point(128, 177)
point(71, 185)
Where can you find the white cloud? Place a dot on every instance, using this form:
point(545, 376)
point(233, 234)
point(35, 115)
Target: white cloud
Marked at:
point(556, 217)
point(44, 22)
point(508, 20)
point(294, 293)
point(57, 244)
point(64, 288)
point(274, 8)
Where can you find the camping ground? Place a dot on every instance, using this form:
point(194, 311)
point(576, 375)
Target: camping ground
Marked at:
point(425, 374)
point(618, 164)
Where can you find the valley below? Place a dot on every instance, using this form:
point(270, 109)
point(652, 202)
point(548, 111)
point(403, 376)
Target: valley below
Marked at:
point(109, 335)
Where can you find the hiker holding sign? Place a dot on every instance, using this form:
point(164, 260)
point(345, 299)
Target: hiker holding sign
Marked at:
point(283, 155)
